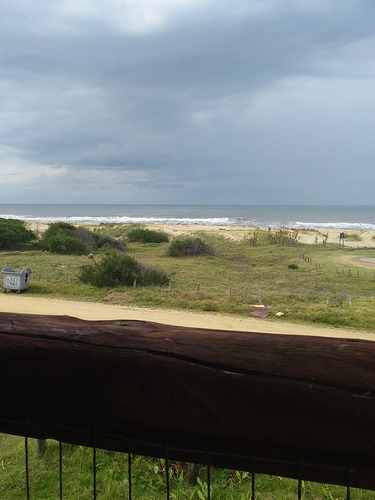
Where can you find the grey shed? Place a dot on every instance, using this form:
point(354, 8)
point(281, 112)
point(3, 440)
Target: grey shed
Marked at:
point(14, 279)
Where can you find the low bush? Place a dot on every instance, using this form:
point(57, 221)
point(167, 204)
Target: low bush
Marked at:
point(60, 243)
point(147, 236)
point(116, 269)
point(13, 234)
point(105, 242)
point(65, 238)
point(353, 237)
point(189, 247)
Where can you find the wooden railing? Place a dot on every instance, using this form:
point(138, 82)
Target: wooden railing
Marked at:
point(294, 406)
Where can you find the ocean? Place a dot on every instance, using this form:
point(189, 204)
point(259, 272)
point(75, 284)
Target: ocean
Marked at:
point(289, 216)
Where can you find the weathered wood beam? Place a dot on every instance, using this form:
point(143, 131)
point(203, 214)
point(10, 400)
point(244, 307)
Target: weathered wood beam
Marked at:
point(289, 405)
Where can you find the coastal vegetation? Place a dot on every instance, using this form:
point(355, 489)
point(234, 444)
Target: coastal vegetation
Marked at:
point(318, 283)
point(144, 235)
point(189, 247)
point(65, 238)
point(14, 233)
point(116, 269)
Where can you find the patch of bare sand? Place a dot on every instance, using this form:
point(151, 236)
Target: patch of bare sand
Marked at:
point(21, 303)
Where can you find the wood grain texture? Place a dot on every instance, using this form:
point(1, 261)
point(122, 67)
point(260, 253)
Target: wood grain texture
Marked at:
point(281, 404)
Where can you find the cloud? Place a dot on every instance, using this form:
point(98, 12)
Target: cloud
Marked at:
point(192, 101)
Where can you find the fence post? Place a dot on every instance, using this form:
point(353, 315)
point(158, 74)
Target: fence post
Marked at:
point(260, 296)
point(244, 293)
point(193, 472)
point(41, 446)
point(198, 287)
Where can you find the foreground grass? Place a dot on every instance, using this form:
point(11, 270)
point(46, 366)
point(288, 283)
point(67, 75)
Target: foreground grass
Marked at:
point(148, 478)
point(309, 284)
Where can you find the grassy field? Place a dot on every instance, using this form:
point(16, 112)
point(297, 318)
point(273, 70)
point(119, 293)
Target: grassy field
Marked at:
point(313, 283)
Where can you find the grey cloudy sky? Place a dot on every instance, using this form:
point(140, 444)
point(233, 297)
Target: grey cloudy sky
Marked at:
point(187, 101)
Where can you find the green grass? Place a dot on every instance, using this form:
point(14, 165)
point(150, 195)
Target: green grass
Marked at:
point(148, 477)
point(305, 283)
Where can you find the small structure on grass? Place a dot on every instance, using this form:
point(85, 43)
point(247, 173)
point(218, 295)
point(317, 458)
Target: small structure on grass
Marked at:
point(14, 279)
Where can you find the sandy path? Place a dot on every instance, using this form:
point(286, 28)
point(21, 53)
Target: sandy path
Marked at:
point(21, 303)
point(354, 260)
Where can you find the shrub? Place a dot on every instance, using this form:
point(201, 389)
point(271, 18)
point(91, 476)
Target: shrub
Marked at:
point(353, 237)
point(64, 238)
point(293, 266)
point(66, 244)
point(107, 242)
point(13, 233)
point(189, 247)
point(121, 270)
point(58, 228)
point(147, 236)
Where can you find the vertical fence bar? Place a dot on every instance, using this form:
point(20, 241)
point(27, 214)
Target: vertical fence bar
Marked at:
point(27, 478)
point(348, 481)
point(60, 471)
point(167, 473)
point(94, 473)
point(252, 476)
point(130, 472)
point(208, 474)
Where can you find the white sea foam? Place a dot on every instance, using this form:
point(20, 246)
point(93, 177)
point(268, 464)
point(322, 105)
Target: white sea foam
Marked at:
point(335, 225)
point(314, 217)
point(219, 221)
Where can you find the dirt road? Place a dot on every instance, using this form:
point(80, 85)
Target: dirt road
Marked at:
point(21, 303)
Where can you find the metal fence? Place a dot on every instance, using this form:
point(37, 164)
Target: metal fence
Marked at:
point(205, 486)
